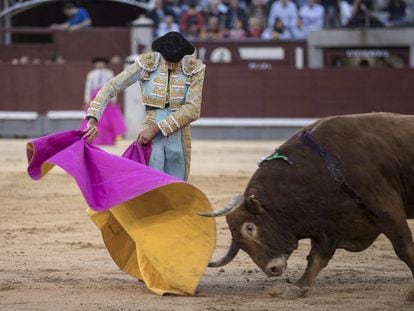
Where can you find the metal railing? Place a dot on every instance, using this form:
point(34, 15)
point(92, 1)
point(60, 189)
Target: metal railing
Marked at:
point(11, 7)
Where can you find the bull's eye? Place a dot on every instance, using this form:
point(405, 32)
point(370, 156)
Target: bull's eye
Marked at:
point(249, 230)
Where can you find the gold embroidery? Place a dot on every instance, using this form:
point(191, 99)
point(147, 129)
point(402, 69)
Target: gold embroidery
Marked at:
point(186, 143)
point(190, 65)
point(176, 94)
point(149, 61)
point(160, 80)
point(177, 83)
point(150, 118)
point(159, 92)
point(111, 89)
point(153, 102)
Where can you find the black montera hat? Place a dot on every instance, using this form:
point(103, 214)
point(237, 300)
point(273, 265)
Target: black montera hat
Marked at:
point(99, 59)
point(173, 46)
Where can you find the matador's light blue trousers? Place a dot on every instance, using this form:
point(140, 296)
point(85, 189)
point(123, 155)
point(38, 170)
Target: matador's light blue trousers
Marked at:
point(167, 153)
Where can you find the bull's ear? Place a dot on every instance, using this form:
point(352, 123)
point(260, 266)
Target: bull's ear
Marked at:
point(253, 205)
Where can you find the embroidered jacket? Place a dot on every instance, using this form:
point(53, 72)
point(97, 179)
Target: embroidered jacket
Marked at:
point(183, 92)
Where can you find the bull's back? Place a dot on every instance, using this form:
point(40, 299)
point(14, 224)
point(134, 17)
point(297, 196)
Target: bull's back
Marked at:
point(375, 150)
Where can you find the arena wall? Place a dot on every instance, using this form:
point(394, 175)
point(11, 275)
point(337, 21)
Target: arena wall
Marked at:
point(235, 91)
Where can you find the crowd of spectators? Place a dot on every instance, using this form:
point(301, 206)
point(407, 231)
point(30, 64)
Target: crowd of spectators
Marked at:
point(272, 19)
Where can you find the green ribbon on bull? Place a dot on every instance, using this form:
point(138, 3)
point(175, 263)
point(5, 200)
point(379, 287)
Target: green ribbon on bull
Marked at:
point(274, 156)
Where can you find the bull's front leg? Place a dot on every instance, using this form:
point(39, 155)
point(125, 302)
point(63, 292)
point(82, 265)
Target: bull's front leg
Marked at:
point(318, 258)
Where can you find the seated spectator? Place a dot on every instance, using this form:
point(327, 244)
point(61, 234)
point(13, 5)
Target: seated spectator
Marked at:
point(299, 32)
point(213, 29)
point(361, 15)
point(286, 11)
point(191, 21)
point(396, 9)
point(257, 10)
point(159, 12)
point(312, 14)
point(217, 9)
point(234, 14)
point(237, 32)
point(78, 18)
point(255, 28)
point(167, 25)
point(277, 32)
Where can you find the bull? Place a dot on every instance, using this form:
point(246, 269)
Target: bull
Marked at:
point(339, 182)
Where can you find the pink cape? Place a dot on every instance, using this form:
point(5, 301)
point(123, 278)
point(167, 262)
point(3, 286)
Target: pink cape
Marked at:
point(148, 219)
point(105, 180)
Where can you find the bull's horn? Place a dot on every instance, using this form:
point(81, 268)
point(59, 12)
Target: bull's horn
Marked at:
point(230, 207)
point(231, 253)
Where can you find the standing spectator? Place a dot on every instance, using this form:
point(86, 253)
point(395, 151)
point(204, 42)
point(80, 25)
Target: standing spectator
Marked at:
point(235, 13)
point(111, 125)
point(191, 22)
point(213, 29)
point(345, 12)
point(313, 15)
point(237, 32)
point(77, 18)
point(158, 13)
point(167, 25)
point(278, 32)
point(257, 9)
point(362, 15)
point(299, 32)
point(331, 13)
point(396, 9)
point(286, 11)
point(97, 77)
point(255, 28)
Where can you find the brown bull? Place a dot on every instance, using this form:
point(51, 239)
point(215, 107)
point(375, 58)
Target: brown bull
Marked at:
point(340, 182)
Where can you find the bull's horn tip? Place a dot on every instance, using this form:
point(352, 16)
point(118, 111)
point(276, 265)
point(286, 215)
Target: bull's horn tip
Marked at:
point(205, 214)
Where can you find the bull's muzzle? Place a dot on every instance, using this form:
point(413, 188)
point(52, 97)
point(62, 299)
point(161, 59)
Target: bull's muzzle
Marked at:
point(276, 266)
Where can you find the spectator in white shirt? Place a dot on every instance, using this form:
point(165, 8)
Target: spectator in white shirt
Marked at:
point(286, 11)
point(313, 15)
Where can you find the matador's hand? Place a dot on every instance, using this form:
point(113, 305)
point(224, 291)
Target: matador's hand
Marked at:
point(145, 136)
point(91, 131)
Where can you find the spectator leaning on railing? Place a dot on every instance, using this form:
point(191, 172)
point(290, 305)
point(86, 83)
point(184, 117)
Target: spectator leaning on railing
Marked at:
point(237, 32)
point(277, 32)
point(299, 32)
point(255, 28)
point(78, 18)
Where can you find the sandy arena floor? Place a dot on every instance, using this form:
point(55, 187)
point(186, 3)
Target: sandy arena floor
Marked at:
point(52, 256)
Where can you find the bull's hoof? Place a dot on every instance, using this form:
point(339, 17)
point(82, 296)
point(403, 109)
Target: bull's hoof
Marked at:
point(289, 292)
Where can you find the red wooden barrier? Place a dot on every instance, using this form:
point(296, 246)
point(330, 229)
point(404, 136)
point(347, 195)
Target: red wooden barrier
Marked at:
point(230, 91)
